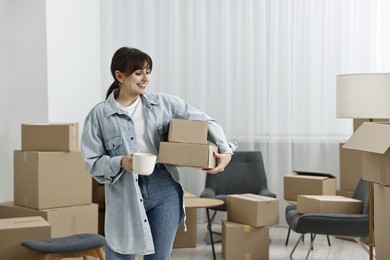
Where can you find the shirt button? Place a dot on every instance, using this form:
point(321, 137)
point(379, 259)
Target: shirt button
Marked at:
point(140, 200)
point(131, 138)
point(145, 220)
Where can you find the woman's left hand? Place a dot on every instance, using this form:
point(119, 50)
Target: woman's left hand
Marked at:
point(222, 161)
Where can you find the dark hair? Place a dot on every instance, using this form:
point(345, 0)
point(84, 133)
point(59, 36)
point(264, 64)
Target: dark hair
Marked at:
point(127, 60)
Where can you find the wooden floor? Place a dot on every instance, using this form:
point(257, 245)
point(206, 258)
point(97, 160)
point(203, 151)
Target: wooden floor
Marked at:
point(340, 249)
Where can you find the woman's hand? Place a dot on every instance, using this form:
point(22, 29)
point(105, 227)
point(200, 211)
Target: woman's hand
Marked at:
point(222, 161)
point(127, 162)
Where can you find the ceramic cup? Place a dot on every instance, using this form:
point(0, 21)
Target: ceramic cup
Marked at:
point(143, 163)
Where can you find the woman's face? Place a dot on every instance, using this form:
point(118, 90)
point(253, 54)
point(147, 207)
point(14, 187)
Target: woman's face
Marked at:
point(135, 83)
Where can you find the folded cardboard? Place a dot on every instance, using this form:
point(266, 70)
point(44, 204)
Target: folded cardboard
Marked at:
point(308, 183)
point(357, 122)
point(351, 162)
point(45, 180)
point(344, 193)
point(15, 230)
point(244, 242)
point(50, 137)
point(252, 209)
point(64, 221)
point(188, 155)
point(185, 239)
point(381, 221)
point(373, 140)
point(188, 131)
point(328, 204)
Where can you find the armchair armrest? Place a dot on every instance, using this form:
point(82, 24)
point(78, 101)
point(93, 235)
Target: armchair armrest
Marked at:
point(208, 193)
point(267, 193)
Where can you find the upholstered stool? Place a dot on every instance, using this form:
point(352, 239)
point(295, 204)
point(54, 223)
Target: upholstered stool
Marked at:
point(80, 245)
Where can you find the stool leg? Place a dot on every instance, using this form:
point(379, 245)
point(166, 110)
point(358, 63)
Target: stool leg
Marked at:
point(100, 252)
point(28, 254)
point(85, 257)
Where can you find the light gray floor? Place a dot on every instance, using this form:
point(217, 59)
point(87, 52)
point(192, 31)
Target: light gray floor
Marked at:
point(340, 249)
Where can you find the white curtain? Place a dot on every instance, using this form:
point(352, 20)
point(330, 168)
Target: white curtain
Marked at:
point(266, 69)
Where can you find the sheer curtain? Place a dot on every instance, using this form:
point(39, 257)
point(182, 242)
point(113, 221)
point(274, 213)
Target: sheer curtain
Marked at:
point(265, 69)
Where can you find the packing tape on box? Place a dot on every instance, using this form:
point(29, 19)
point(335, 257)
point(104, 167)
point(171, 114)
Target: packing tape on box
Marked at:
point(247, 256)
point(246, 228)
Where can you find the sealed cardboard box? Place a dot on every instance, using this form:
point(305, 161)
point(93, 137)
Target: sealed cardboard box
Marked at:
point(188, 155)
point(351, 162)
point(381, 221)
point(373, 140)
point(308, 183)
point(45, 180)
point(252, 209)
point(50, 137)
point(328, 205)
point(187, 131)
point(15, 230)
point(64, 221)
point(241, 241)
point(185, 239)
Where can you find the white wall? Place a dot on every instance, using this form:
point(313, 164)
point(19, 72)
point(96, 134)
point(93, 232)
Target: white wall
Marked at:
point(51, 70)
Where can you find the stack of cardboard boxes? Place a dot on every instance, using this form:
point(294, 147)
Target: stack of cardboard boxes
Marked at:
point(50, 181)
point(372, 140)
point(245, 233)
point(187, 145)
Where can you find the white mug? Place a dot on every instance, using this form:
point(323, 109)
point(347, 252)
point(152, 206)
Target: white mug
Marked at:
point(143, 163)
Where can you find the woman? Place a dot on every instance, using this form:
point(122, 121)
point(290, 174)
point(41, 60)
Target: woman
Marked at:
point(142, 212)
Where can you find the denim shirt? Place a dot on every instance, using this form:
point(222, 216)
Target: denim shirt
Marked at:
point(109, 134)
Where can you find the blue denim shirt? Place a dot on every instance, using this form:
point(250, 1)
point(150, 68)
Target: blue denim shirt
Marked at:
point(109, 134)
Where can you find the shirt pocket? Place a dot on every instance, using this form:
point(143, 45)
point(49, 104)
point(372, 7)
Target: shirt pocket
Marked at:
point(114, 146)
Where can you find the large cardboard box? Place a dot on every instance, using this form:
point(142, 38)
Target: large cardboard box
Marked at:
point(64, 221)
point(45, 180)
point(328, 205)
point(308, 183)
point(381, 220)
point(373, 140)
point(244, 242)
point(15, 230)
point(188, 155)
point(351, 165)
point(357, 122)
point(185, 239)
point(187, 131)
point(50, 137)
point(252, 209)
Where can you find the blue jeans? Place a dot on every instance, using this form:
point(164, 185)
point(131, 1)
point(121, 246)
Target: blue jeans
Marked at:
point(163, 199)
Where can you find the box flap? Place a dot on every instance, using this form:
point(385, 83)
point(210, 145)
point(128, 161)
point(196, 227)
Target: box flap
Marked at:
point(370, 137)
point(317, 174)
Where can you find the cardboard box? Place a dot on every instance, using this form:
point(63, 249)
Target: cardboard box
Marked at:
point(373, 140)
point(241, 241)
point(45, 180)
point(328, 205)
point(344, 193)
point(98, 194)
point(351, 164)
point(50, 137)
point(64, 221)
point(15, 230)
point(357, 122)
point(188, 131)
point(185, 239)
point(188, 155)
point(308, 183)
point(381, 221)
point(252, 209)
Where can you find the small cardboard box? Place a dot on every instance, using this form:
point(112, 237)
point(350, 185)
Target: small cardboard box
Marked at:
point(328, 205)
point(50, 137)
point(381, 220)
point(373, 140)
point(351, 165)
point(308, 183)
point(185, 239)
point(45, 180)
point(188, 155)
point(188, 131)
point(15, 230)
point(64, 221)
point(241, 241)
point(252, 209)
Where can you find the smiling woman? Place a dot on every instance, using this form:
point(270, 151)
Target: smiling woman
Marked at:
point(142, 211)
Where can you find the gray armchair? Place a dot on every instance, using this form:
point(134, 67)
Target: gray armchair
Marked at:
point(244, 174)
point(348, 225)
